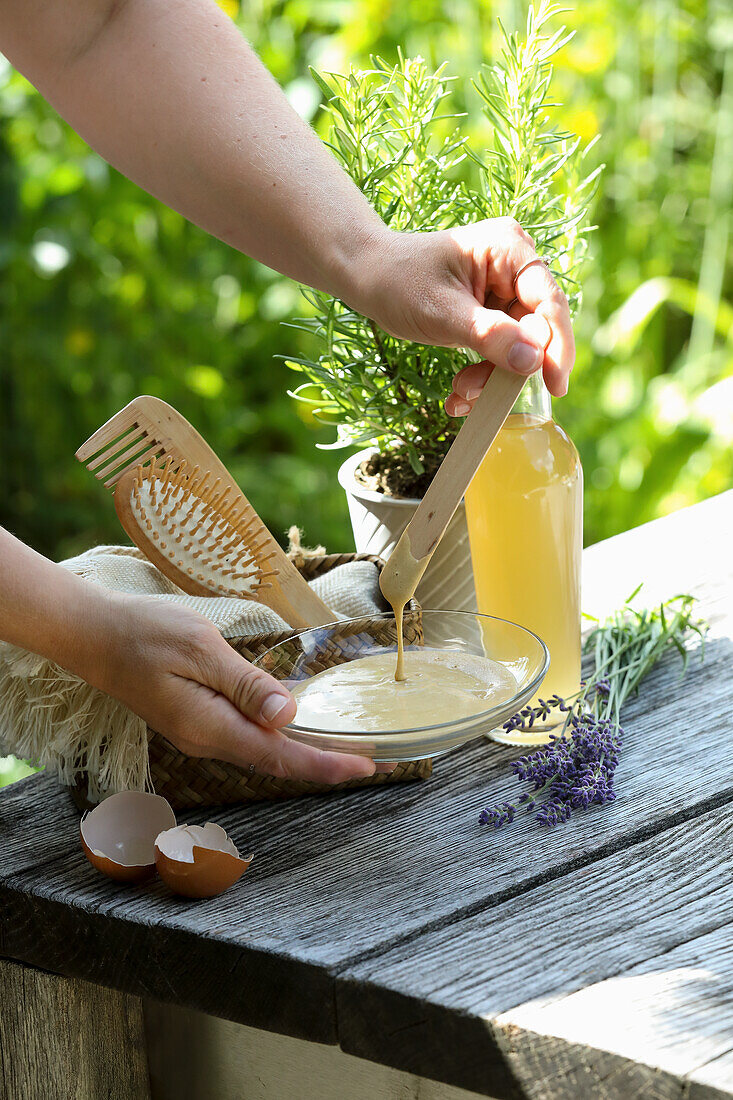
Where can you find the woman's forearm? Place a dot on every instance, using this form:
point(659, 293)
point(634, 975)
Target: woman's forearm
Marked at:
point(171, 94)
point(50, 611)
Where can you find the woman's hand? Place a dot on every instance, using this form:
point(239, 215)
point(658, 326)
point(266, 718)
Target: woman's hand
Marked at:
point(172, 667)
point(470, 287)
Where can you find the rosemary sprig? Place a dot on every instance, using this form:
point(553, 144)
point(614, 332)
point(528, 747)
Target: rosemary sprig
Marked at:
point(533, 171)
point(577, 768)
point(393, 129)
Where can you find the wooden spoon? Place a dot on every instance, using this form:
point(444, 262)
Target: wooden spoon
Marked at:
point(409, 559)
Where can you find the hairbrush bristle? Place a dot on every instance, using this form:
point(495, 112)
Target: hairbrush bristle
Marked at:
point(193, 522)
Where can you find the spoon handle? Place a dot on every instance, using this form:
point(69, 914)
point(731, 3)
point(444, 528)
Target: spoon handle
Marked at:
point(466, 454)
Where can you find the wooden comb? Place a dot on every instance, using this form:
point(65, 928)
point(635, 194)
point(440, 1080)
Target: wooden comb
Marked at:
point(180, 505)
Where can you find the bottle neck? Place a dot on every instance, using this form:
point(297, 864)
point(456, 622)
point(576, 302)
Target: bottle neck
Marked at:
point(534, 400)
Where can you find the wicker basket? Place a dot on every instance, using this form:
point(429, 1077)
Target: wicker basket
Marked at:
point(189, 782)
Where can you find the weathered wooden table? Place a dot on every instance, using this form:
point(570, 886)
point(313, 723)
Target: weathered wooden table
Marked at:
point(428, 954)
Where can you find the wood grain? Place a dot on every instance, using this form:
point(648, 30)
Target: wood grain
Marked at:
point(556, 960)
point(392, 922)
point(68, 1040)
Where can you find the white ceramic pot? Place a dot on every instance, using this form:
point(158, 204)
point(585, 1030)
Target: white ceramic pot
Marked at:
point(378, 521)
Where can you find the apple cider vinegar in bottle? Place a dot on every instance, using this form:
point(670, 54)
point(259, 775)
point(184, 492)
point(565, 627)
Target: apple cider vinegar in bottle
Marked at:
point(525, 523)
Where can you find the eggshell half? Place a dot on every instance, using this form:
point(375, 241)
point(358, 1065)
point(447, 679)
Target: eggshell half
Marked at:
point(118, 835)
point(198, 861)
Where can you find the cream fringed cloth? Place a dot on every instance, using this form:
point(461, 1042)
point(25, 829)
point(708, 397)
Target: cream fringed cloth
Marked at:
point(58, 721)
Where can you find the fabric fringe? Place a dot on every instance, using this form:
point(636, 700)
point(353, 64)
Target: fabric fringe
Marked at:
point(299, 553)
point(60, 723)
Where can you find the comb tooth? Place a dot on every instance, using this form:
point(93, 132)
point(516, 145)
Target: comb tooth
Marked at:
point(249, 525)
point(187, 483)
point(233, 513)
point(222, 504)
point(255, 547)
point(122, 464)
point(118, 473)
point(125, 458)
point(198, 483)
point(206, 513)
point(116, 426)
point(228, 547)
point(240, 555)
point(167, 469)
point(169, 487)
point(117, 446)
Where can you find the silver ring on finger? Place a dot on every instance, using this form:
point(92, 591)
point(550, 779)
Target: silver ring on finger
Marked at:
point(251, 769)
point(510, 305)
point(535, 260)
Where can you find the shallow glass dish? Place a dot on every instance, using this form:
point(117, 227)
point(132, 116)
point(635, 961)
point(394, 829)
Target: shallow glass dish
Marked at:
point(305, 654)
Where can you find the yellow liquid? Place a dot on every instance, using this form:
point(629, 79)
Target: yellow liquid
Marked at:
point(525, 523)
point(439, 685)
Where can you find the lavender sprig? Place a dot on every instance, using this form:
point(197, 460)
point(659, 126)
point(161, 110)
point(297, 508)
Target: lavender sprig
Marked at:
point(578, 766)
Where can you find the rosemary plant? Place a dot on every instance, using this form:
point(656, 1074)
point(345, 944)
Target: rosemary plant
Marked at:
point(394, 131)
point(577, 768)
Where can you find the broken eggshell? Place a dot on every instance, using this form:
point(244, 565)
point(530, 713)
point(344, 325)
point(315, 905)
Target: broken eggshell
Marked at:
point(118, 835)
point(198, 861)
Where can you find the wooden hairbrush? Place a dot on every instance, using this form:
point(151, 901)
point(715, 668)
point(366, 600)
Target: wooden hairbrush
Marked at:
point(180, 505)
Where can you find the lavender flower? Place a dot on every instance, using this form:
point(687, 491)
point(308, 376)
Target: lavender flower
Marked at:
point(578, 766)
point(575, 772)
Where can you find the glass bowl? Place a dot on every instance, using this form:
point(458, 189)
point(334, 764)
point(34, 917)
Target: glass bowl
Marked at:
point(305, 654)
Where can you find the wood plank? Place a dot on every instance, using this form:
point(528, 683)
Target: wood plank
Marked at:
point(669, 1013)
point(712, 1079)
point(419, 857)
point(561, 961)
point(68, 1040)
point(343, 879)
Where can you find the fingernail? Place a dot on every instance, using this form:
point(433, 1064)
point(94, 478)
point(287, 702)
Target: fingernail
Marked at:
point(364, 773)
point(524, 357)
point(461, 408)
point(386, 769)
point(473, 392)
point(273, 705)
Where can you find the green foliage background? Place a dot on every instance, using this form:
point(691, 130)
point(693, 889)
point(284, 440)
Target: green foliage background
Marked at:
point(104, 293)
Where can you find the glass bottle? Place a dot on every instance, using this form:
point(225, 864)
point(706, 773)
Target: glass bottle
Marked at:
point(525, 523)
